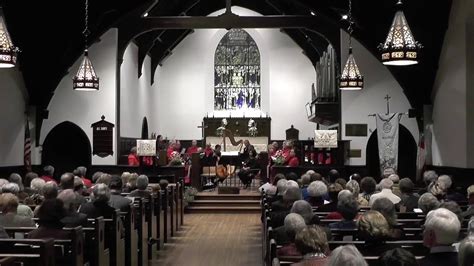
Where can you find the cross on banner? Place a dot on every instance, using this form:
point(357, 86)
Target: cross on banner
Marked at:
point(202, 127)
point(388, 103)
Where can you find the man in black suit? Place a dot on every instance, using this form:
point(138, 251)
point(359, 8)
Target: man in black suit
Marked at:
point(441, 231)
point(99, 206)
point(72, 218)
point(116, 199)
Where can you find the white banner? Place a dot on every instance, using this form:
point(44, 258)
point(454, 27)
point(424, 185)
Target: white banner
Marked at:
point(387, 136)
point(325, 138)
point(146, 147)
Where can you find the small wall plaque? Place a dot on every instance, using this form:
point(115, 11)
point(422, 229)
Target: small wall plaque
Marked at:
point(102, 138)
point(356, 130)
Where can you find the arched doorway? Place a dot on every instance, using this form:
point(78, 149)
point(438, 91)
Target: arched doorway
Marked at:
point(407, 151)
point(66, 147)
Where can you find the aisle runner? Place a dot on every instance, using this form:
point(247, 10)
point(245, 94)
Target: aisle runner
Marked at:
point(387, 136)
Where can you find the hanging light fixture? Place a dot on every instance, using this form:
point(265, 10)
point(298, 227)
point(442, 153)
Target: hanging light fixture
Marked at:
point(351, 79)
point(400, 47)
point(86, 79)
point(8, 51)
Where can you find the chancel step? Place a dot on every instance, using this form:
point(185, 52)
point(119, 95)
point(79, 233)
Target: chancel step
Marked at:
point(225, 203)
point(223, 209)
point(232, 197)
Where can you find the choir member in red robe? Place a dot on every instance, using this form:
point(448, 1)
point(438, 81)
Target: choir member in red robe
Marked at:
point(170, 150)
point(48, 172)
point(293, 159)
point(133, 157)
point(193, 149)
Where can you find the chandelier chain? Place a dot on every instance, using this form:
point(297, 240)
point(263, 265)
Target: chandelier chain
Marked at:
point(86, 31)
point(351, 22)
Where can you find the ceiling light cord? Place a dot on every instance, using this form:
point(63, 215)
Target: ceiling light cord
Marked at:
point(86, 31)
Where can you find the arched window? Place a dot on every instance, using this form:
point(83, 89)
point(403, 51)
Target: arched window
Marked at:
point(237, 72)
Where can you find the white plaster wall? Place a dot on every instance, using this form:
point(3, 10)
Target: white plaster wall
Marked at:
point(184, 89)
point(84, 108)
point(449, 93)
point(135, 93)
point(357, 105)
point(12, 115)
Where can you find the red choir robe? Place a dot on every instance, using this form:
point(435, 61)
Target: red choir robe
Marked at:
point(133, 160)
point(148, 160)
point(169, 152)
point(293, 161)
point(191, 150)
point(86, 182)
point(48, 178)
point(286, 153)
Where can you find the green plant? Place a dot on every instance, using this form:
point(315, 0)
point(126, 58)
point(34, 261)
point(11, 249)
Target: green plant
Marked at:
point(189, 193)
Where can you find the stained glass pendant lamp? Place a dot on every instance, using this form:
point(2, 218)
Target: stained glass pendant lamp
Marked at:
point(400, 47)
point(351, 79)
point(86, 79)
point(8, 51)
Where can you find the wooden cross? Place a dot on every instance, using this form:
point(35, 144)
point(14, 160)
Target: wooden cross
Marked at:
point(388, 103)
point(202, 127)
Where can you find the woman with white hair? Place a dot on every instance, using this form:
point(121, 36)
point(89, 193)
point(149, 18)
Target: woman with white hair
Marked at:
point(313, 244)
point(36, 192)
point(428, 202)
point(347, 255)
point(316, 192)
point(293, 224)
point(99, 206)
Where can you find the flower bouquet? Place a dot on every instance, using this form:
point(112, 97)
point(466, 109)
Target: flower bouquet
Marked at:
point(176, 159)
point(278, 158)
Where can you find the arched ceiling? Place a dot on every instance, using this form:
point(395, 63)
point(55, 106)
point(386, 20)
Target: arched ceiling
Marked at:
point(49, 33)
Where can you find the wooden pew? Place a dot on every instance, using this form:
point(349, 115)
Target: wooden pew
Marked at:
point(167, 219)
point(131, 236)
point(95, 251)
point(141, 227)
point(115, 239)
point(159, 216)
point(38, 252)
point(151, 222)
point(172, 203)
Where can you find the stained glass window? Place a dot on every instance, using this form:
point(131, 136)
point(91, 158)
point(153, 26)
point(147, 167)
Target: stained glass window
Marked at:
point(237, 72)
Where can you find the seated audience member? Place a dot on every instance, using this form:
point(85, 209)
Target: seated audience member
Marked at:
point(16, 179)
point(348, 208)
point(22, 210)
point(82, 171)
point(132, 183)
point(429, 177)
point(353, 187)
point(333, 192)
point(49, 219)
point(333, 174)
point(50, 191)
point(356, 177)
point(72, 218)
point(454, 208)
point(441, 230)
point(80, 189)
point(292, 176)
point(396, 180)
point(133, 159)
point(281, 189)
point(347, 255)
point(116, 199)
point(314, 176)
point(125, 177)
point(409, 200)
point(305, 180)
point(397, 257)
point(302, 208)
point(428, 202)
point(316, 192)
point(3, 182)
point(342, 182)
point(375, 231)
point(36, 192)
point(470, 197)
point(367, 186)
point(99, 205)
point(312, 243)
point(451, 193)
point(291, 195)
point(272, 186)
point(66, 181)
point(387, 209)
point(9, 216)
point(293, 224)
point(466, 251)
point(343, 195)
point(142, 185)
point(48, 173)
point(386, 187)
point(27, 181)
point(293, 159)
point(96, 176)
point(104, 178)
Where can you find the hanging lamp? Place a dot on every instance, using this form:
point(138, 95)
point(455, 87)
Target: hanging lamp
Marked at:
point(8, 52)
point(351, 79)
point(400, 47)
point(86, 79)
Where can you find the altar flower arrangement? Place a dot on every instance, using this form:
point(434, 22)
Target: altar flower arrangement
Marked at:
point(278, 158)
point(176, 159)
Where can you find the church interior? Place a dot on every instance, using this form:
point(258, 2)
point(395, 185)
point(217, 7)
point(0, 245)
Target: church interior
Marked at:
point(236, 132)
